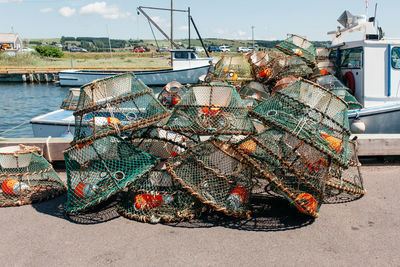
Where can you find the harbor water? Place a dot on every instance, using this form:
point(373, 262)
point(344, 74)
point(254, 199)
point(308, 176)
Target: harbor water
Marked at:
point(21, 102)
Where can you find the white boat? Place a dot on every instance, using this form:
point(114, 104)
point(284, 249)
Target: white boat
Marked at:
point(188, 66)
point(370, 67)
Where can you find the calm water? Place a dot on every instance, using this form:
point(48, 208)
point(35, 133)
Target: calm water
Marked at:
point(21, 102)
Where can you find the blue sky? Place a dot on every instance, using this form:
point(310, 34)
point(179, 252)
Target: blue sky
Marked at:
point(223, 19)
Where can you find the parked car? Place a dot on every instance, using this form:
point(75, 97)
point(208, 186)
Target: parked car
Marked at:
point(225, 48)
point(214, 48)
point(138, 49)
point(242, 49)
point(199, 49)
point(77, 49)
point(163, 49)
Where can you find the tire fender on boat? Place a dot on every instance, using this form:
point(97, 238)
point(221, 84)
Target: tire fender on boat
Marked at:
point(350, 82)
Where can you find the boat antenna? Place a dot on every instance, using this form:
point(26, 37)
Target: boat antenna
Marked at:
point(376, 8)
point(109, 42)
point(366, 7)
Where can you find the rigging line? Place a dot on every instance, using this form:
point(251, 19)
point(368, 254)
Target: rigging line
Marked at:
point(13, 128)
point(155, 39)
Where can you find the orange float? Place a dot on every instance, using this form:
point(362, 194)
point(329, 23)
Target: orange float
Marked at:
point(210, 110)
point(12, 186)
point(147, 201)
point(308, 200)
point(249, 146)
point(334, 143)
point(264, 73)
point(85, 190)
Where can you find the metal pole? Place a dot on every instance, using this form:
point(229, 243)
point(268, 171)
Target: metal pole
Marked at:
point(172, 22)
point(198, 34)
point(189, 25)
point(109, 42)
point(252, 36)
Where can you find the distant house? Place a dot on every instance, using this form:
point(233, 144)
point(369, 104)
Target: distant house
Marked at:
point(11, 39)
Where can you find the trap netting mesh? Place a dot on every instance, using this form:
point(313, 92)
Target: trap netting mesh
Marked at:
point(295, 169)
point(157, 197)
point(100, 168)
point(312, 114)
point(71, 100)
point(347, 179)
point(113, 105)
point(211, 109)
point(26, 177)
point(253, 93)
point(334, 85)
point(299, 46)
point(230, 68)
point(171, 94)
point(269, 66)
point(214, 173)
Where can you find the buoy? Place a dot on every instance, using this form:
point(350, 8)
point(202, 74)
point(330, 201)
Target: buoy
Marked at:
point(334, 143)
point(13, 187)
point(264, 73)
point(85, 190)
point(237, 197)
point(298, 52)
point(101, 121)
point(357, 126)
point(210, 111)
point(308, 200)
point(249, 146)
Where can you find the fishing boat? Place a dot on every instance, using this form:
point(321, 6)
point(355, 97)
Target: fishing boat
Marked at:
point(187, 67)
point(370, 67)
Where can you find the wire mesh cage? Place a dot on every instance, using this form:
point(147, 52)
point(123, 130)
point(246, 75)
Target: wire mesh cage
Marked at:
point(312, 114)
point(299, 46)
point(253, 93)
point(100, 168)
point(113, 105)
point(209, 110)
point(230, 68)
point(171, 94)
point(26, 177)
point(350, 179)
point(334, 85)
point(294, 168)
point(213, 173)
point(71, 100)
point(157, 197)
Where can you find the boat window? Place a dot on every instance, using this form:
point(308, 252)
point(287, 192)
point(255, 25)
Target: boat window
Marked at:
point(396, 57)
point(351, 58)
point(182, 55)
point(193, 55)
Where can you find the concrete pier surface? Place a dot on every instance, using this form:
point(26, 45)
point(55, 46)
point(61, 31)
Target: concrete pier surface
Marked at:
point(363, 232)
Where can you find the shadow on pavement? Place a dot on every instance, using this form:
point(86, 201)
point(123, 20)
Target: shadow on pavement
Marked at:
point(334, 196)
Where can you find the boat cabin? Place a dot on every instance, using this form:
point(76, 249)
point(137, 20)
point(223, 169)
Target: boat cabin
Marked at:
point(370, 67)
point(188, 58)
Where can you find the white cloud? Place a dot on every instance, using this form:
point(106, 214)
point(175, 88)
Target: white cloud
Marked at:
point(183, 28)
point(9, 1)
point(67, 11)
point(161, 21)
point(46, 10)
point(104, 10)
point(227, 34)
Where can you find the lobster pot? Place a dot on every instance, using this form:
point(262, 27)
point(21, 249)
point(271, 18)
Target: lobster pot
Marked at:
point(71, 101)
point(114, 105)
point(212, 172)
point(310, 113)
point(230, 68)
point(157, 197)
point(296, 170)
point(299, 46)
point(209, 110)
point(171, 94)
point(335, 86)
point(26, 177)
point(347, 179)
point(98, 169)
point(162, 143)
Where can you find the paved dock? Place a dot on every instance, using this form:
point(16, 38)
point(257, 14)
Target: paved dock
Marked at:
point(364, 232)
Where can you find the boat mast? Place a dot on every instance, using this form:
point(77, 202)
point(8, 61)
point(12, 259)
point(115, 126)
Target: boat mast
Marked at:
point(172, 23)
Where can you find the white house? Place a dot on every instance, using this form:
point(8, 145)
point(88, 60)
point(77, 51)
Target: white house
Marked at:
point(12, 39)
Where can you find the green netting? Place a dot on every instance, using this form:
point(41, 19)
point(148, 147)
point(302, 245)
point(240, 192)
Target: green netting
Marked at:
point(230, 68)
point(334, 85)
point(171, 94)
point(347, 179)
point(253, 93)
point(209, 110)
point(213, 173)
point(113, 105)
point(299, 46)
point(270, 66)
point(156, 197)
point(296, 169)
point(26, 177)
point(71, 100)
point(312, 114)
point(100, 168)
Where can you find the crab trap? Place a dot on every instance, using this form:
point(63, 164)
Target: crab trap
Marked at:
point(310, 113)
point(210, 110)
point(26, 177)
point(100, 168)
point(232, 69)
point(157, 197)
point(295, 169)
point(299, 46)
point(114, 105)
point(212, 172)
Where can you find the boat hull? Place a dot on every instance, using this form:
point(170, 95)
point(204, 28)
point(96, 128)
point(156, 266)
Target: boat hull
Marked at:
point(54, 124)
point(77, 78)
